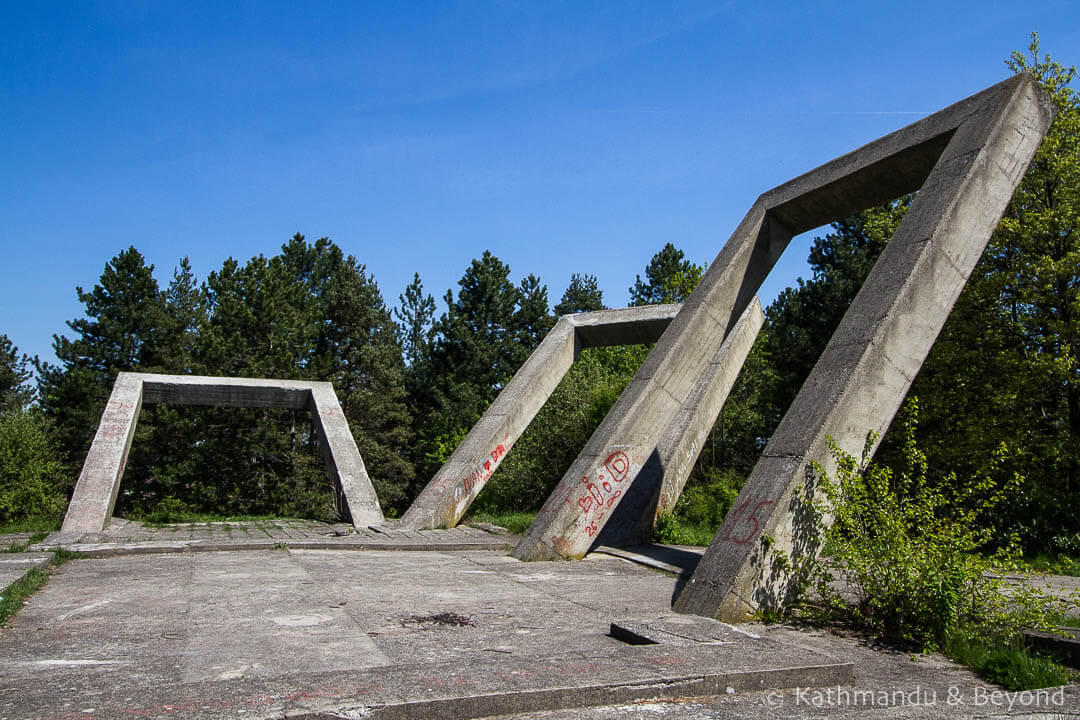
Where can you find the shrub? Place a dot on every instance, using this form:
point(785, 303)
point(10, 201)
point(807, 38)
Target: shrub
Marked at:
point(31, 478)
point(917, 555)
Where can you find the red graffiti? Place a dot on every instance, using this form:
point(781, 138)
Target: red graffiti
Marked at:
point(484, 470)
point(111, 431)
point(738, 518)
point(602, 494)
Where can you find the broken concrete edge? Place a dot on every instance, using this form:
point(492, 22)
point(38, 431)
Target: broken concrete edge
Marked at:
point(1063, 644)
point(14, 567)
point(98, 485)
point(639, 559)
point(453, 488)
point(598, 695)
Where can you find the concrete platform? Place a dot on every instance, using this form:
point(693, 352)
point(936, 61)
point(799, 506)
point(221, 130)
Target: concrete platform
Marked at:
point(331, 634)
point(124, 537)
point(14, 565)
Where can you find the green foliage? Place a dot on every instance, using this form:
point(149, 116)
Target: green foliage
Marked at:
point(560, 430)
point(1010, 665)
point(310, 313)
point(673, 530)
point(481, 340)
point(583, 294)
point(1006, 367)
point(16, 392)
point(14, 595)
point(31, 478)
point(515, 522)
point(669, 278)
point(913, 551)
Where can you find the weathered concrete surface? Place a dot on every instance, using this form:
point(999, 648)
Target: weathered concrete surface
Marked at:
point(657, 487)
point(374, 634)
point(13, 566)
point(888, 685)
point(868, 365)
point(92, 503)
point(95, 493)
point(126, 537)
point(457, 483)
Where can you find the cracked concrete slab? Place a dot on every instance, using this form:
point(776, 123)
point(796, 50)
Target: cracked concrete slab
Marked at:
point(324, 633)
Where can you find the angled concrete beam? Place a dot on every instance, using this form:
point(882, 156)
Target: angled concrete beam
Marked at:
point(99, 482)
point(896, 164)
point(92, 504)
point(474, 461)
point(869, 363)
point(658, 486)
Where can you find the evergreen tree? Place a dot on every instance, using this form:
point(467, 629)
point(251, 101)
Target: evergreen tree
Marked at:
point(533, 320)
point(669, 278)
point(583, 294)
point(475, 351)
point(414, 317)
point(357, 349)
point(122, 330)
point(16, 392)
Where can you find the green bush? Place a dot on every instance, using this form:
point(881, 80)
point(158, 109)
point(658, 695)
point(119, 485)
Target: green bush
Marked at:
point(917, 555)
point(31, 478)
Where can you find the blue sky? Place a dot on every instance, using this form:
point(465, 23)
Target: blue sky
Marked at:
point(563, 136)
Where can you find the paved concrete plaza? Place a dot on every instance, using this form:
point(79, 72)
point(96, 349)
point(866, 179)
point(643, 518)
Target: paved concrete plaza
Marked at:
point(351, 633)
point(285, 632)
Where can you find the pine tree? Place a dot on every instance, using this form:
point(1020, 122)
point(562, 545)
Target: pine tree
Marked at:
point(669, 278)
point(16, 392)
point(122, 330)
point(533, 320)
point(583, 294)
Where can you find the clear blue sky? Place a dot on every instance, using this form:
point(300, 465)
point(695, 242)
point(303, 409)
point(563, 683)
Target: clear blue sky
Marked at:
point(563, 136)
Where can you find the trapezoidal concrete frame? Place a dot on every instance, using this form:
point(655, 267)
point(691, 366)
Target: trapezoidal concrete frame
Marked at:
point(457, 483)
point(966, 162)
point(95, 494)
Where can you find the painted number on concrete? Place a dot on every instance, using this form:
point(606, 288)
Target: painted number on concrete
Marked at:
point(742, 527)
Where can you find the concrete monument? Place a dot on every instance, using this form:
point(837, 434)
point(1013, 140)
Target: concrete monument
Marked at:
point(96, 490)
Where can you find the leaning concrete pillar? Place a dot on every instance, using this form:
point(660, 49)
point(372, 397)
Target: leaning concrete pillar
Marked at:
point(658, 486)
point(627, 439)
point(342, 459)
point(871, 360)
point(457, 483)
point(99, 482)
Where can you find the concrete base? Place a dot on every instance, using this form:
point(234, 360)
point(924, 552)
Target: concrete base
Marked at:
point(326, 634)
point(13, 566)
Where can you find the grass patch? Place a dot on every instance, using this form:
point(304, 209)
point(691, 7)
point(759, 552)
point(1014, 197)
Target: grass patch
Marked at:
point(673, 530)
point(1013, 667)
point(15, 594)
point(18, 547)
point(1056, 565)
point(41, 523)
point(515, 522)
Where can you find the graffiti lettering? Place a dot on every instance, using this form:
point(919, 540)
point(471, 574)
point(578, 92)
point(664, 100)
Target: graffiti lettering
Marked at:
point(738, 518)
point(474, 481)
point(603, 493)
